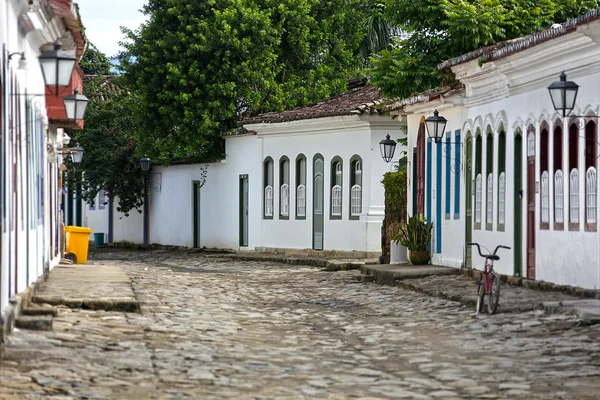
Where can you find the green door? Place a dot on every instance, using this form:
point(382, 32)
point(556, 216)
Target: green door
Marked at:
point(243, 210)
point(468, 201)
point(517, 201)
point(318, 204)
point(196, 205)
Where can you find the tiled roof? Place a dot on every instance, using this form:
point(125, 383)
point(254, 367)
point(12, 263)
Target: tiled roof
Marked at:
point(506, 48)
point(72, 20)
point(356, 101)
point(429, 95)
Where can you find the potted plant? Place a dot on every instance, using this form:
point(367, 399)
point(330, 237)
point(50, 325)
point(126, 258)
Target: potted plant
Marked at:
point(415, 235)
point(398, 252)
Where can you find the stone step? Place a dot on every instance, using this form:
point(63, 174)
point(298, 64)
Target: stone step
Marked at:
point(40, 311)
point(36, 323)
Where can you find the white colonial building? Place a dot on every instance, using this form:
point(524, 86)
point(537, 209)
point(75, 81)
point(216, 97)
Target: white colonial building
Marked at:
point(30, 116)
point(510, 170)
point(307, 178)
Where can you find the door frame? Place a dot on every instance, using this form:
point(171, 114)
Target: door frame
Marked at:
point(196, 213)
point(518, 204)
point(468, 199)
point(243, 212)
point(314, 177)
point(531, 208)
point(421, 173)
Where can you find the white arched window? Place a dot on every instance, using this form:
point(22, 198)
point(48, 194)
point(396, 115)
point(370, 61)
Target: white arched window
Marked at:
point(269, 201)
point(285, 199)
point(501, 197)
point(356, 189)
point(490, 200)
point(336, 200)
point(574, 196)
point(478, 199)
point(558, 197)
point(301, 200)
point(591, 195)
point(545, 197)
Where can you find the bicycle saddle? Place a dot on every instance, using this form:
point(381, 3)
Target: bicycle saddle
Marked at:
point(493, 257)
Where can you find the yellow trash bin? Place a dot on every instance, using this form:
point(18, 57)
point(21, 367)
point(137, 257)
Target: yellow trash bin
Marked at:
point(77, 243)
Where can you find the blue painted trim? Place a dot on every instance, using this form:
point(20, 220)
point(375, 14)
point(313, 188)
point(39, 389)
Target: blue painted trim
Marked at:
point(457, 177)
point(438, 198)
point(428, 186)
point(448, 193)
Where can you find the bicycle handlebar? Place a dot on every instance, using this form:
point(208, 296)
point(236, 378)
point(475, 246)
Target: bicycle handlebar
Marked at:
point(486, 256)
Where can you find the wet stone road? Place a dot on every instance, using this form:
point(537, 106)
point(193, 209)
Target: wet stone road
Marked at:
point(215, 328)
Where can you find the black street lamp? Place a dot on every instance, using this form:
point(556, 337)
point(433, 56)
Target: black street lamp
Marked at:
point(75, 105)
point(387, 148)
point(57, 66)
point(145, 164)
point(563, 95)
point(435, 126)
point(76, 154)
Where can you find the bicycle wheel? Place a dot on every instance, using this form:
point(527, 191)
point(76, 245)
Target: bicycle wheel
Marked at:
point(494, 295)
point(480, 294)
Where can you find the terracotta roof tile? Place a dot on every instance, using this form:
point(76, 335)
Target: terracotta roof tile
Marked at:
point(356, 101)
point(506, 48)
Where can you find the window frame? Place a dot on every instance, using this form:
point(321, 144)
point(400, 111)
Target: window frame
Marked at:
point(591, 157)
point(268, 164)
point(478, 156)
point(332, 185)
point(573, 141)
point(544, 167)
point(284, 178)
point(353, 178)
point(501, 173)
point(558, 165)
point(298, 173)
point(489, 170)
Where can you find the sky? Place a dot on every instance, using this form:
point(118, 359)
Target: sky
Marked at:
point(102, 20)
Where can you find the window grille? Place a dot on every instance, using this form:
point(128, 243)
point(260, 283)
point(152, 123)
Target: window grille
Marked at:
point(301, 200)
point(478, 199)
point(558, 197)
point(356, 200)
point(336, 200)
point(545, 197)
point(501, 197)
point(490, 200)
point(269, 201)
point(574, 196)
point(591, 192)
point(285, 199)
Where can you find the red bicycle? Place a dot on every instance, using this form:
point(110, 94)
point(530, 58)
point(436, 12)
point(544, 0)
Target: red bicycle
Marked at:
point(488, 283)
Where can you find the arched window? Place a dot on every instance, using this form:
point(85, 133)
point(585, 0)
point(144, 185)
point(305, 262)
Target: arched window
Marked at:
point(336, 188)
point(558, 179)
point(268, 188)
point(284, 187)
point(501, 180)
point(545, 195)
point(591, 182)
point(573, 177)
point(489, 169)
point(301, 187)
point(478, 178)
point(355, 187)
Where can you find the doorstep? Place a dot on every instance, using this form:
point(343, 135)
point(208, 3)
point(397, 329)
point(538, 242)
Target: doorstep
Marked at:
point(388, 274)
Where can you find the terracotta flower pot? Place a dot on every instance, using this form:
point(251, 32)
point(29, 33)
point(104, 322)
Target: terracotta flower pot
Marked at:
point(419, 257)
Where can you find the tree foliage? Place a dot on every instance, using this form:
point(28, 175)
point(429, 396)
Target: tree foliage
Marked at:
point(199, 65)
point(94, 62)
point(110, 160)
point(442, 29)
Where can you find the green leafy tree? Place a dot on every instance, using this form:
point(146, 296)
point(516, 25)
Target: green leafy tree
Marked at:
point(442, 29)
point(199, 65)
point(110, 160)
point(94, 62)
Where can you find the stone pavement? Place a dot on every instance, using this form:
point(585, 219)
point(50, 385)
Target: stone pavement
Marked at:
point(217, 328)
point(390, 274)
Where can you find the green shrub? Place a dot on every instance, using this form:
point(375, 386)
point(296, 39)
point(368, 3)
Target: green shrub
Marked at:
point(414, 234)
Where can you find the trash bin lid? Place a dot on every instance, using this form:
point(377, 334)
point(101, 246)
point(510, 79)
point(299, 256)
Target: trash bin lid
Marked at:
point(77, 229)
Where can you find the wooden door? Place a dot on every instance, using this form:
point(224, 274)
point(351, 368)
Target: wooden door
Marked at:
point(243, 210)
point(196, 213)
point(518, 204)
point(318, 203)
point(530, 205)
point(420, 182)
point(468, 201)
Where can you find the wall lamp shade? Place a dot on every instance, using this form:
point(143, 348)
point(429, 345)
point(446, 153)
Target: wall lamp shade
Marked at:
point(387, 147)
point(76, 154)
point(563, 94)
point(435, 126)
point(145, 164)
point(57, 66)
point(75, 105)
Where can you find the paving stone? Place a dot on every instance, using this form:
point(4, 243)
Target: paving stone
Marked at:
point(212, 328)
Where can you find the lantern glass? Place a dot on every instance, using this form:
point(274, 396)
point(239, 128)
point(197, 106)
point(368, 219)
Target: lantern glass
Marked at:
point(77, 154)
point(75, 105)
point(387, 148)
point(57, 66)
point(436, 126)
point(563, 94)
point(145, 163)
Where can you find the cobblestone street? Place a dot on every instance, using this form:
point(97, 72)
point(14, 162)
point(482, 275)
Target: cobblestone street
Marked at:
point(217, 328)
